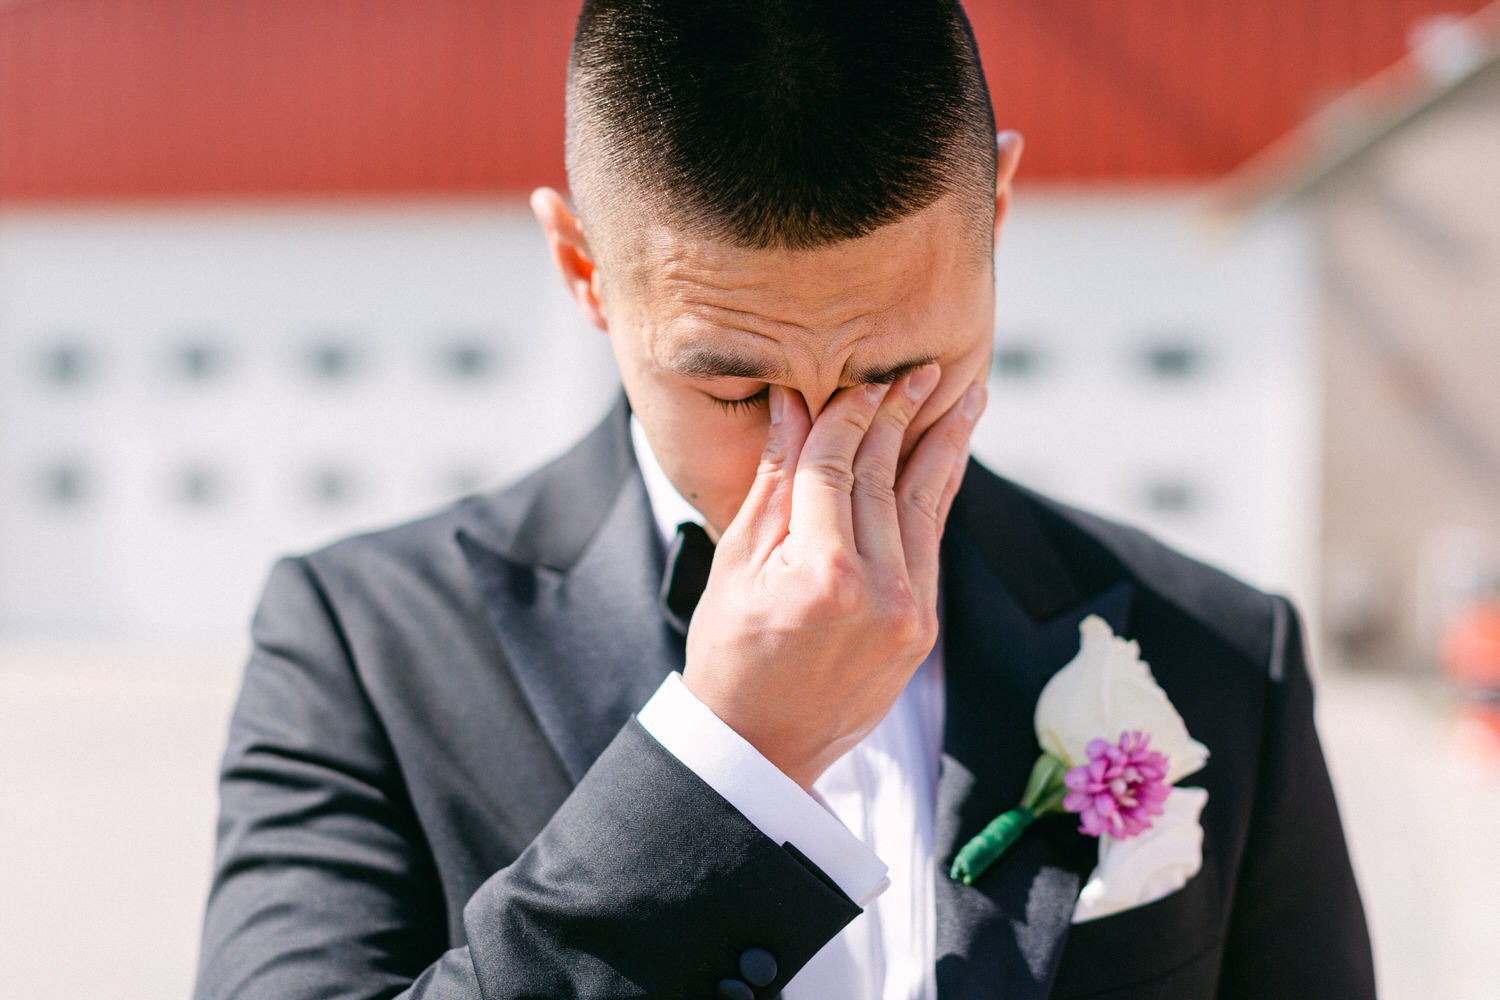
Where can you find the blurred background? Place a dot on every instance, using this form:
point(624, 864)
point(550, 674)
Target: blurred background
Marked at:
point(267, 277)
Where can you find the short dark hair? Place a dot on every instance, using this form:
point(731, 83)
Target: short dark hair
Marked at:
point(779, 123)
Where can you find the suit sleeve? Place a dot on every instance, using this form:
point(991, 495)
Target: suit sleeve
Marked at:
point(1297, 928)
point(645, 882)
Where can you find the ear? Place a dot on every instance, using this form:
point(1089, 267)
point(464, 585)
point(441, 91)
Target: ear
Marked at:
point(570, 252)
point(1008, 145)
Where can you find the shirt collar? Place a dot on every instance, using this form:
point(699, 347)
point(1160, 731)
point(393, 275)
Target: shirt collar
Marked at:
point(668, 506)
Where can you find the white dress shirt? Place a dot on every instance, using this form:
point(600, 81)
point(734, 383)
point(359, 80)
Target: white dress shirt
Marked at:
point(867, 825)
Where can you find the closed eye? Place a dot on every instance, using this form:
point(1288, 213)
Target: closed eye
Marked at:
point(744, 403)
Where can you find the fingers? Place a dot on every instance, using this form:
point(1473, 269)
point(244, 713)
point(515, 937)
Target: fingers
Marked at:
point(763, 518)
point(877, 530)
point(928, 483)
point(840, 482)
point(824, 482)
point(955, 481)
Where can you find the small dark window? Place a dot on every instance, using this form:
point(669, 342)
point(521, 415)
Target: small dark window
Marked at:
point(332, 486)
point(332, 360)
point(66, 364)
point(65, 484)
point(468, 360)
point(1016, 360)
point(199, 360)
point(1172, 496)
point(198, 485)
point(1173, 360)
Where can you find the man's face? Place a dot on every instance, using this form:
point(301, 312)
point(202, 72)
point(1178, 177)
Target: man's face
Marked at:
point(700, 329)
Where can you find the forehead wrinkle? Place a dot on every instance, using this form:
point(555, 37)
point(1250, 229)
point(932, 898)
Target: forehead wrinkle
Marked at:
point(756, 318)
point(839, 300)
point(881, 335)
point(700, 267)
point(702, 355)
point(817, 317)
point(767, 306)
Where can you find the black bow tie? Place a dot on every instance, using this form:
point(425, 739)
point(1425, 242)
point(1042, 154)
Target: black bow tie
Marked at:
point(688, 562)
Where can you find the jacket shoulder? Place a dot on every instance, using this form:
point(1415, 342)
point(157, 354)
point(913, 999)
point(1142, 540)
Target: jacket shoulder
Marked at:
point(1251, 621)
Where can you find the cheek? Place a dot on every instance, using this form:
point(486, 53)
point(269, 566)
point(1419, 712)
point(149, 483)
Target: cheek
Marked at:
point(710, 458)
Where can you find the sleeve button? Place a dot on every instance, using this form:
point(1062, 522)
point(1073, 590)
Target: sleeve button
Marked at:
point(758, 966)
point(734, 989)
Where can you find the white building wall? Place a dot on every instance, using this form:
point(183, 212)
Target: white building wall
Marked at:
point(143, 503)
point(284, 444)
point(1172, 379)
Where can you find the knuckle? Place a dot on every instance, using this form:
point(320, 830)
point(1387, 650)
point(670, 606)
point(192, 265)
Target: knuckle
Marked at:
point(901, 616)
point(924, 498)
point(773, 456)
point(873, 491)
point(927, 628)
point(851, 418)
point(875, 470)
point(830, 470)
point(902, 628)
point(906, 621)
point(841, 569)
point(770, 463)
point(905, 626)
point(896, 411)
point(894, 589)
point(904, 410)
point(836, 591)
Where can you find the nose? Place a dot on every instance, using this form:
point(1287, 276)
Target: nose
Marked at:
point(818, 399)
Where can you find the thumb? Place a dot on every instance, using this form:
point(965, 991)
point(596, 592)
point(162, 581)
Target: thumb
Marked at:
point(761, 522)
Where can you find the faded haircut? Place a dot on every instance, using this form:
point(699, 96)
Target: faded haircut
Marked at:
point(786, 124)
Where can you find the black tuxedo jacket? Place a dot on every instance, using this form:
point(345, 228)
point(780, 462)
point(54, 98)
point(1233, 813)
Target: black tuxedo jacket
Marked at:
point(434, 785)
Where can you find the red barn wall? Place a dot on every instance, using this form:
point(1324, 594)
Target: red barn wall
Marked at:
point(103, 99)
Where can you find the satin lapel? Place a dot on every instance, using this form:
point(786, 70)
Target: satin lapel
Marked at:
point(1003, 936)
point(576, 611)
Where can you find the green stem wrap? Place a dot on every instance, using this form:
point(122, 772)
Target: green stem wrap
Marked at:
point(1044, 794)
point(981, 852)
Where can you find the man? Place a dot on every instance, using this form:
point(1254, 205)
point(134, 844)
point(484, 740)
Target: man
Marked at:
point(475, 756)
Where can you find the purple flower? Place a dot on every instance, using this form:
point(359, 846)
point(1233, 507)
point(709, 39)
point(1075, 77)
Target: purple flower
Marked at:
point(1120, 789)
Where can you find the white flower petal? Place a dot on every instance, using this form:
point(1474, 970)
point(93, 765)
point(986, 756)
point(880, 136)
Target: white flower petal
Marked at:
point(1150, 865)
point(1105, 690)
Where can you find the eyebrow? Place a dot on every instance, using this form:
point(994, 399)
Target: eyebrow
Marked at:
point(885, 374)
point(703, 361)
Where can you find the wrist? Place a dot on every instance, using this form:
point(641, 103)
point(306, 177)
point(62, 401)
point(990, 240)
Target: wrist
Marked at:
point(792, 747)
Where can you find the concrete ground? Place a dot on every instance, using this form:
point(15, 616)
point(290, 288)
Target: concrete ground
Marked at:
point(1419, 785)
point(106, 814)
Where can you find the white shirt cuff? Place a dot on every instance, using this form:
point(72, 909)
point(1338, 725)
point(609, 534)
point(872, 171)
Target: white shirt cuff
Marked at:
point(776, 804)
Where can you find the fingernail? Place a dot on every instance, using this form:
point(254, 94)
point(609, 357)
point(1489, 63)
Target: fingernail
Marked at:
point(777, 402)
point(920, 383)
point(875, 391)
point(974, 400)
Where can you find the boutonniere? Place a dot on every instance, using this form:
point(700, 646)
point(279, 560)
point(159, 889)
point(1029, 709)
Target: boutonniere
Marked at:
point(1113, 750)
